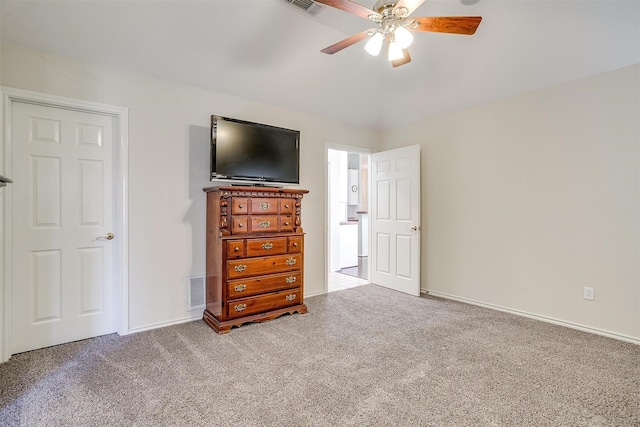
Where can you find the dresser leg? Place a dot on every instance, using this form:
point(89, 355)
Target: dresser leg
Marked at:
point(215, 324)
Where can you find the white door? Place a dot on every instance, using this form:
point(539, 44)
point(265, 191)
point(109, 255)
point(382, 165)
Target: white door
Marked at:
point(62, 210)
point(395, 219)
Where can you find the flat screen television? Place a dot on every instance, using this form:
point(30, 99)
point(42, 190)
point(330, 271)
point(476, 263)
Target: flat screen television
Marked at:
point(246, 151)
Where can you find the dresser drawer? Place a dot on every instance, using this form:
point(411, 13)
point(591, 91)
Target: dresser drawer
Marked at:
point(260, 285)
point(264, 224)
point(260, 266)
point(239, 206)
point(240, 225)
point(235, 249)
point(262, 247)
point(261, 206)
point(262, 303)
point(287, 206)
point(295, 244)
point(286, 223)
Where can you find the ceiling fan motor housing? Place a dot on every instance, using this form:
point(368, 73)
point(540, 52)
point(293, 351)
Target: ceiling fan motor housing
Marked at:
point(389, 18)
point(382, 5)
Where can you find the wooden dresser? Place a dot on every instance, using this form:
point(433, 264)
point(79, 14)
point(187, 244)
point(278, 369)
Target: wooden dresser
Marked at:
point(255, 255)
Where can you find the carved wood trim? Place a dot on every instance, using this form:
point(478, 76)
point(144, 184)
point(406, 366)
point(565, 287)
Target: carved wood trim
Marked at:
point(224, 213)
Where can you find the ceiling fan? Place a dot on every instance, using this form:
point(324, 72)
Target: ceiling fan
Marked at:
point(395, 27)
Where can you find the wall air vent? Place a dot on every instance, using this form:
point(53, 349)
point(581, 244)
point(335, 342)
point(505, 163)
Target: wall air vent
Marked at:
point(196, 288)
point(309, 6)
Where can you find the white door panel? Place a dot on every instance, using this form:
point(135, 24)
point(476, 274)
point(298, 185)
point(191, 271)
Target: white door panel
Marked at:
point(395, 219)
point(61, 272)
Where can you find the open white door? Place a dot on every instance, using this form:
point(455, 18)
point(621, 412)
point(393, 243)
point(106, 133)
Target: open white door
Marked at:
point(395, 219)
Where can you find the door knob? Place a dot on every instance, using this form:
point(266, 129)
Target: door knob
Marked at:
point(415, 228)
point(108, 236)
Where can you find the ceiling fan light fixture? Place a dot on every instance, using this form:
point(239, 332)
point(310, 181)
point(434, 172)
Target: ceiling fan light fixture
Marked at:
point(374, 45)
point(402, 37)
point(395, 51)
point(395, 27)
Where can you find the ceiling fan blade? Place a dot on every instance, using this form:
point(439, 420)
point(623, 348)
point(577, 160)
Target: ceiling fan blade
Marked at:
point(344, 43)
point(349, 6)
point(449, 24)
point(404, 60)
point(410, 5)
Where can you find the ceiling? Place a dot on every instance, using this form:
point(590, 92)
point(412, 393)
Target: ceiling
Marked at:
point(269, 50)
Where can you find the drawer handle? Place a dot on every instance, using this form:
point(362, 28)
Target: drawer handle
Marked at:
point(290, 279)
point(290, 261)
point(240, 307)
point(240, 225)
point(236, 249)
point(290, 297)
point(264, 206)
point(295, 245)
point(286, 223)
point(286, 206)
point(239, 288)
point(240, 268)
point(240, 206)
point(264, 224)
point(267, 246)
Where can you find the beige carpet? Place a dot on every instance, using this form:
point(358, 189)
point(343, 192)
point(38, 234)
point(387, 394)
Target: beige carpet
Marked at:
point(363, 356)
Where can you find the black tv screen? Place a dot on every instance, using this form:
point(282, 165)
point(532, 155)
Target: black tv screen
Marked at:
point(242, 150)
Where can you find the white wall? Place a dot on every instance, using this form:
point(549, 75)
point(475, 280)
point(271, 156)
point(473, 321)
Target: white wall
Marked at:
point(528, 200)
point(168, 167)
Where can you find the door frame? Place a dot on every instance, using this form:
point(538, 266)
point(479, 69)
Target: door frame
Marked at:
point(327, 231)
point(121, 184)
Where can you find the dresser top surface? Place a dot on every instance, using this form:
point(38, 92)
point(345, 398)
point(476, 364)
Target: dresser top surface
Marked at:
point(255, 189)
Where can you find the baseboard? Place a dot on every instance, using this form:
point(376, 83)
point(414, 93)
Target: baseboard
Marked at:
point(164, 324)
point(197, 316)
point(315, 294)
point(546, 319)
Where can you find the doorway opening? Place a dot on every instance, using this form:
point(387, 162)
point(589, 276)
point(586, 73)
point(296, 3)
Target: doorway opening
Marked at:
point(348, 221)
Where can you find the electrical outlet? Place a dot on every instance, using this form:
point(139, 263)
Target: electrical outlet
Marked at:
point(588, 293)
